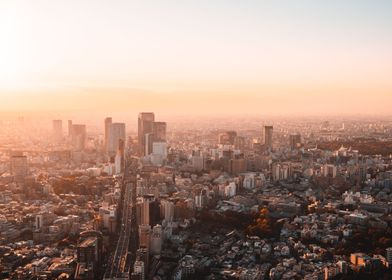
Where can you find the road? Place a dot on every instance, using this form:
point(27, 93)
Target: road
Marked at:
point(121, 259)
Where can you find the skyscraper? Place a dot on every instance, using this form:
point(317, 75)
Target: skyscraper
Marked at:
point(159, 131)
point(18, 166)
point(115, 134)
point(145, 126)
point(227, 138)
point(108, 123)
point(268, 130)
point(69, 128)
point(79, 136)
point(57, 129)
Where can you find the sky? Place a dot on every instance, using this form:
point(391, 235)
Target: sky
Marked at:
point(197, 57)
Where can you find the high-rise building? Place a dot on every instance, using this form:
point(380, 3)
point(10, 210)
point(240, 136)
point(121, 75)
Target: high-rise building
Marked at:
point(145, 212)
point(148, 143)
point(144, 236)
point(108, 123)
point(159, 130)
point(69, 128)
point(57, 129)
point(138, 269)
point(237, 165)
point(145, 126)
point(18, 166)
point(79, 136)
point(116, 133)
point(295, 141)
point(119, 160)
point(156, 240)
point(268, 132)
point(159, 153)
point(149, 132)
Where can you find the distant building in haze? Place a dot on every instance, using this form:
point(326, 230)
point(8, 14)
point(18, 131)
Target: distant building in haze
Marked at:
point(145, 126)
point(57, 129)
point(159, 130)
point(116, 133)
point(79, 136)
point(268, 132)
point(19, 166)
point(149, 132)
point(108, 123)
point(69, 128)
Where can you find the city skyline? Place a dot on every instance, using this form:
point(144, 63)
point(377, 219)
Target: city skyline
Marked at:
point(198, 139)
point(304, 58)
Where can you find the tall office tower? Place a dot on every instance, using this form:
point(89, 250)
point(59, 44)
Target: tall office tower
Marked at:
point(156, 240)
point(145, 212)
point(79, 136)
point(138, 269)
point(116, 133)
point(69, 128)
point(119, 160)
point(57, 129)
point(268, 130)
point(18, 166)
point(159, 131)
point(108, 123)
point(148, 143)
point(121, 147)
point(295, 141)
point(144, 236)
point(145, 126)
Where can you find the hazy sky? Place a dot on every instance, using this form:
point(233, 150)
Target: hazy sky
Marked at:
point(197, 56)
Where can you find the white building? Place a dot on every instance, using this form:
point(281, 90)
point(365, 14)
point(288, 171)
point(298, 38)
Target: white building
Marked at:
point(249, 181)
point(118, 163)
point(230, 190)
point(156, 240)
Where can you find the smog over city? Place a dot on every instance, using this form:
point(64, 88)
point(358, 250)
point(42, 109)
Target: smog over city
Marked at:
point(176, 140)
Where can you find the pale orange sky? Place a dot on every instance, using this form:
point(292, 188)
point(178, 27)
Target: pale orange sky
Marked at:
point(312, 57)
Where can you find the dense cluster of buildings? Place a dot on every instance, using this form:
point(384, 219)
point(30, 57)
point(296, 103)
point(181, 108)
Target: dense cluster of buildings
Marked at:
point(281, 201)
